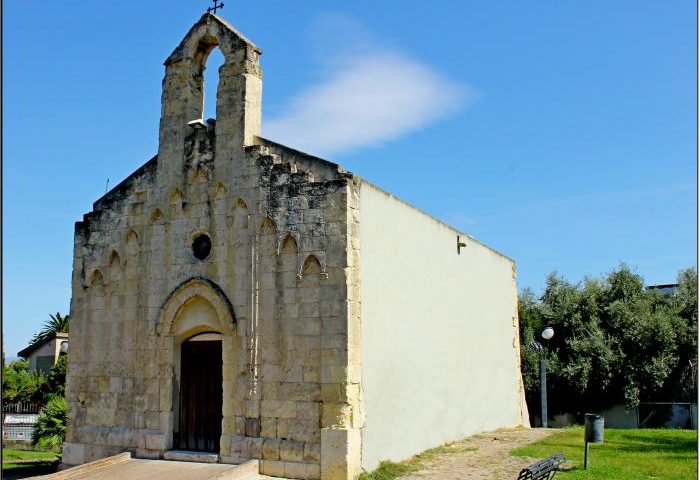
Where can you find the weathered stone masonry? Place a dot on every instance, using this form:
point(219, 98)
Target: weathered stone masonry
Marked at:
point(280, 284)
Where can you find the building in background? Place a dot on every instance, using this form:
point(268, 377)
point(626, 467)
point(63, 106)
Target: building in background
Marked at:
point(667, 288)
point(43, 355)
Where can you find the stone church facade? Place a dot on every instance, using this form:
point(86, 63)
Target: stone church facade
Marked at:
point(239, 297)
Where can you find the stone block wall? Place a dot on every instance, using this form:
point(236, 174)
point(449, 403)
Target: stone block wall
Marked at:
point(286, 344)
point(280, 285)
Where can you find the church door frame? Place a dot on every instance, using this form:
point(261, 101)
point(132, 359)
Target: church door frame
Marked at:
point(175, 328)
point(200, 394)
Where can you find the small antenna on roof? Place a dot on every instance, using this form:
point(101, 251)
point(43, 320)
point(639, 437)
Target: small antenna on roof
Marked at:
point(215, 7)
point(107, 186)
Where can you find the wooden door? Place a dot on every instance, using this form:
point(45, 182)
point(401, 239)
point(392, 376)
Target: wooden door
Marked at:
point(200, 396)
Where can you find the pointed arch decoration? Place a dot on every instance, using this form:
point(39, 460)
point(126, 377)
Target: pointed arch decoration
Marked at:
point(189, 290)
point(288, 263)
point(156, 215)
point(220, 191)
point(315, 263)
point(176, 195)
point(239, 217)
point(267, 226)
point(201, 174)
point(287, 243)
point(132, 236)
point(311, 265)
point(133, 242)
point(96, 279)
point(114, 259)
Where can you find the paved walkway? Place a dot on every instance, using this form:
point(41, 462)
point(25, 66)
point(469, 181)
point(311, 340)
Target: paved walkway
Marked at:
point(141, 469)
point(136, 469)
point(484, 456)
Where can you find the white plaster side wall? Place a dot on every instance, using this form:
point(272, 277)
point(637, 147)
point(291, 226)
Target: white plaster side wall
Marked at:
point(437, 333)
point(56, 346)
point(47, 349)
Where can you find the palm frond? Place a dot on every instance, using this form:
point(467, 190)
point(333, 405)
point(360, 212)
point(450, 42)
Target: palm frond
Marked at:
point(57, 323)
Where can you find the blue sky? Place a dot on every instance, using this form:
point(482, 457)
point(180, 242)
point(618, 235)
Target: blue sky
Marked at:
point(561, 133)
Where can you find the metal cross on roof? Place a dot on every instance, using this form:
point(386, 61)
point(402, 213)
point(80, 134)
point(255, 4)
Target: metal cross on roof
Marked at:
point(215, 7)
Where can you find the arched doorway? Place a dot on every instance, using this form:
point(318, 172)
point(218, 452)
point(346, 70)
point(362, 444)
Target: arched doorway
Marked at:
point(200, 399)
point(199, 328)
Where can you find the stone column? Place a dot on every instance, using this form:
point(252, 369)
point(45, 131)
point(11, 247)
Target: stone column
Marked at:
point(238, 109)
point(181, 102)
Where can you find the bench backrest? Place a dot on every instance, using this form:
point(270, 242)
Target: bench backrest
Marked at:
point(544, 469)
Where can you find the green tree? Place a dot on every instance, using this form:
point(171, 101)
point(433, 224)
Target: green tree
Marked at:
point(682, 384)
point(578, 356)
point(615, 341)
point(56, 379)
point(57, 323)
point(641, 326)
point(19, 384)
point(50, 429)
point(531, 324)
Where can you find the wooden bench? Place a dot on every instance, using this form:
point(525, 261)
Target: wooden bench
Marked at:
point(544, 469)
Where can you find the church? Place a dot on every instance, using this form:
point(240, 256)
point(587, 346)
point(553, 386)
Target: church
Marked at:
point(235, 299)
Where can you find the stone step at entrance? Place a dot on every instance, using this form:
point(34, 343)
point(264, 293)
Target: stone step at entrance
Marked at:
point(122, 466)
point(188, 456)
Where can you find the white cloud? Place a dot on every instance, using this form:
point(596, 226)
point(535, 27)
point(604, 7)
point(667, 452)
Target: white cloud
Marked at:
point(366, 95)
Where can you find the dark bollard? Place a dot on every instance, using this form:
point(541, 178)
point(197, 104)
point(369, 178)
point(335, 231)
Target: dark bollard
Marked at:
point(595, 426)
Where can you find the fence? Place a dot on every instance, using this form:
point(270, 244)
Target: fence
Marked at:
point(646, 415)
point(667, 414)
point(19, 420)
point(21, 407)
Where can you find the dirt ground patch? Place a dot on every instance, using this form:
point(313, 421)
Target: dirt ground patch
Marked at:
point(483, 456)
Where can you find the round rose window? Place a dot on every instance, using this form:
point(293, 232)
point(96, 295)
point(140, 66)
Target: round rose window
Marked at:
point(201, 246)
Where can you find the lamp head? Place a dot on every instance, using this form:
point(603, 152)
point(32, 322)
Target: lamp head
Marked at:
point(548, 332)
point(198, 124)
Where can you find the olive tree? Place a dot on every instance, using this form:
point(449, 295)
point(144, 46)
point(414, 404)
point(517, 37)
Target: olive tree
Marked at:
point(616, 341)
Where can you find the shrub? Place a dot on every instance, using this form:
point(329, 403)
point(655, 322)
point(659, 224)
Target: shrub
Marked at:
point(51, 426)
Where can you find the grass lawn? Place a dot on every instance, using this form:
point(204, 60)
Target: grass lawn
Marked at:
point(626, 454)
point(9, 455)
point(27, 462)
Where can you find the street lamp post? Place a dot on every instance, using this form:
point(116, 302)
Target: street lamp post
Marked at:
point(547, 334)
point(543, 389)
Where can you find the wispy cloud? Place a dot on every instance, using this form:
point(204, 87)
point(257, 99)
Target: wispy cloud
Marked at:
point(367, 93)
